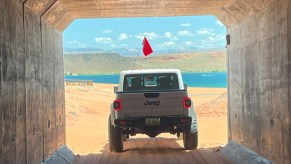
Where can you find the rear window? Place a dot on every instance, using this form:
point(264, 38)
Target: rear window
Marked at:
point(150, 82)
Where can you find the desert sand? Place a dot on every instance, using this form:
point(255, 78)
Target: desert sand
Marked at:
point(87, 111)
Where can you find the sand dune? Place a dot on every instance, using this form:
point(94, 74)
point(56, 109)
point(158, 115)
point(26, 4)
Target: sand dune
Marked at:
point(87, 110)
point(214, 108)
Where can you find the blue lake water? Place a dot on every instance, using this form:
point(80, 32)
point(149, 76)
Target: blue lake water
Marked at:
point(205, 80)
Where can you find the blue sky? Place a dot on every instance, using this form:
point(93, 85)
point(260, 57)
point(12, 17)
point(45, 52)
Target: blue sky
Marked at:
point(165, 34)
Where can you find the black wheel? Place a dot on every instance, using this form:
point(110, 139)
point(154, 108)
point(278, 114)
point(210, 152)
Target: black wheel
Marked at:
point(190, 139)
point(180, 136)
point(115, 137)
point(125, 137)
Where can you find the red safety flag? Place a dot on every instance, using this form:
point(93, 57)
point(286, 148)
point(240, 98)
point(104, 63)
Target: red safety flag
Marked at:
point(147, 49)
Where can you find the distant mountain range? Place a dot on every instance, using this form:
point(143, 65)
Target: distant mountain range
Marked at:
point(130, 52)
point(109, 63)
point(82, 50)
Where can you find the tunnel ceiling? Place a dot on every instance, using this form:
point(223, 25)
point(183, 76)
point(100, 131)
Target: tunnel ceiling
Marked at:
point(60, 13)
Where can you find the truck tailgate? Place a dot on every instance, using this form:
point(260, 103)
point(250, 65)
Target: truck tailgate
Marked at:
point(152, 104)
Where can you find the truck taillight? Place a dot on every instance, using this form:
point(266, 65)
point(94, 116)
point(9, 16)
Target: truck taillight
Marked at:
point(186, 102)
point(117, 105)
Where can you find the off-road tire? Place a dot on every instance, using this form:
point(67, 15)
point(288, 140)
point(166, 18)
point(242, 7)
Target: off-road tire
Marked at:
point(115, 137)
point(190, 139)
point(125, 137)
point(180, 137)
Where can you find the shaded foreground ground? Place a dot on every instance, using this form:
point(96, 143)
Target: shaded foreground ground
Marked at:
point(156, 150)
point(87, 110)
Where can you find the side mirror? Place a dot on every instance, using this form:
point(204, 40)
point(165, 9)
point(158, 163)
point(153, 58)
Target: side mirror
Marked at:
point(185, 87)
point(115, 89)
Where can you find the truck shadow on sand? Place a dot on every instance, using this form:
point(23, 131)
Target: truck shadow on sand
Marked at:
point(153, 151)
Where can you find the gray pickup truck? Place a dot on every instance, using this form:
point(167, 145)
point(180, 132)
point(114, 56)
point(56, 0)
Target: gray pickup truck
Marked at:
point(151, 102)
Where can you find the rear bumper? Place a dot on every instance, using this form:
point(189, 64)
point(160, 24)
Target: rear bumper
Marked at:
point(165, 121)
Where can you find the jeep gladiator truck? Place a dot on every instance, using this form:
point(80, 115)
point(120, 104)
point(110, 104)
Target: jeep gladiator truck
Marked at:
point(151, 102)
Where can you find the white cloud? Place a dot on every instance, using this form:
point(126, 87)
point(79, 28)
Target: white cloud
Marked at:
point(213, 41)
point(122, 36)
point(219, 23)
point(168, 35)
point(205, 31)
point(122, 45)
point(217, 38)
point(77, 44)
point(171, 36)
point(113, 45)
point(189, 43)
point(139, 36)
point(166, 44)
point(132, 50)
point(185, 24)
point(170, 43)
point(107, 31)
point(184, 33)
point(103, 40)
point(174, 38)
point(149, 35)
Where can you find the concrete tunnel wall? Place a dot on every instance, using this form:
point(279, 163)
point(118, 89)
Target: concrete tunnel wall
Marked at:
point(32, 118)
point(259, 82)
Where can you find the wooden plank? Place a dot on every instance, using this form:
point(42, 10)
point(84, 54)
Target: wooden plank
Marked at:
point(158, 150)
point(258, 5)
point(33, 144)
point(60, 135)
point(271, 20)
point(2, 23)
point(1, 108)
point(20, 109)
point(239, 9)
point(280, 78)
point(49, 121)
point(49, 142)
point(60, 103)
point(249, 32)
point(287, 131)
point(9, 150)
point(58, 48)
point(264, 59)
point(55, 13)
point(13, 25)
point(32, 33)
point(225, 17)
point(271, 138)
point(39, 7)
point(8, 106)
point(34, 110)
point(30, 154)
point(48, 42)
point(21, 151)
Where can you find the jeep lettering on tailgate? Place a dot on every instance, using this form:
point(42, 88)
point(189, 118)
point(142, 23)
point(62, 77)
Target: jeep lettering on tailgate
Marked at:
point(156, 103)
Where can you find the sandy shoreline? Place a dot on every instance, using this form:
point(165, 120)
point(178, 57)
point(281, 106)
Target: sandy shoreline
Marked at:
point(87, 110)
